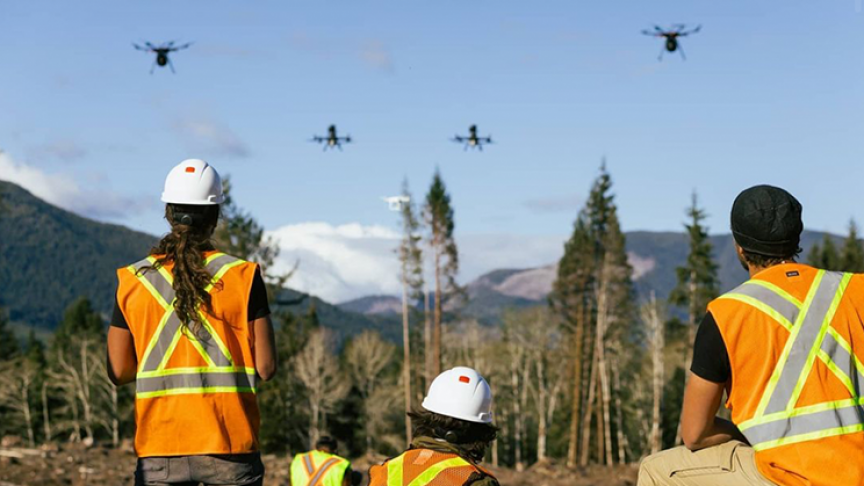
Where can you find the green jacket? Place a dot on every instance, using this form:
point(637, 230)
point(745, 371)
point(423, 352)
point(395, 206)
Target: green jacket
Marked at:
point(423, 442)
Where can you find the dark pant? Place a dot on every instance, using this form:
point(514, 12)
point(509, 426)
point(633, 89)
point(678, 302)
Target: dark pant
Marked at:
point(223, 470)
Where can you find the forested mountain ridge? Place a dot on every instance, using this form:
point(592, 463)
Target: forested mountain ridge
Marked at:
point(50, 257)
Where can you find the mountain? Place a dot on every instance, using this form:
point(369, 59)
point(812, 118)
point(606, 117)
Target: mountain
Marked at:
point(654, 257)
point(49, 257)
point(374, 304)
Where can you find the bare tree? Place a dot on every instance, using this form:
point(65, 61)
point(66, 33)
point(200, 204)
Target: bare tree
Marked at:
point(367, 356)
point(77, 375)
point(651, 316)
point(317, 369)
point(16, 379)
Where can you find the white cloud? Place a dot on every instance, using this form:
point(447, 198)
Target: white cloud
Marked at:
point(339, 263)
point(211, 137)
point(64, 191)
point(376, 55)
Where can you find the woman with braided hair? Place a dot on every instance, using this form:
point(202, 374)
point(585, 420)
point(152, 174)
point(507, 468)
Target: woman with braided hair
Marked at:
point(191, 328)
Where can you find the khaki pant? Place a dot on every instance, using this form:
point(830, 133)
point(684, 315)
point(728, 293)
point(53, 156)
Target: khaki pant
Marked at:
point(729, 464)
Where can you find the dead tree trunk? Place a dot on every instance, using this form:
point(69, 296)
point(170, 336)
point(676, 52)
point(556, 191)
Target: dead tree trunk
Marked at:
point(691, 338)
point(427, 338)
point(589, 409)
point(619, 410)
point(406, 354)
point(578, 343)
point(436, 330)
point(602, 318)
point(46, 416)
point(518, 419)
point(652, 318)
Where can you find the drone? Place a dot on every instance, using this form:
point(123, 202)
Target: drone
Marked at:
point(161, 53)
point(395, 203)
point(331, 140)
point(671, 36)
point(472, 140)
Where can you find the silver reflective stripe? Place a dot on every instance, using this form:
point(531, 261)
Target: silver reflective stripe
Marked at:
point(323, 469)
point(805, 424)
point(217, 263)
point(805, 341)
point(196, 380)
point(844, 362)
point(770, 298)
point(307, 460)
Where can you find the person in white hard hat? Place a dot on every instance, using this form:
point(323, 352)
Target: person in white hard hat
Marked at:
point(191, 328)
point(452, 432)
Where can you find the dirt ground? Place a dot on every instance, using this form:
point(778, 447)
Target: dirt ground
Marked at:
point(71, 465)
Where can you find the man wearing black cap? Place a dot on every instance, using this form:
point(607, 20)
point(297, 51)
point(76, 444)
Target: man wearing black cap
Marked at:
point(787, 347)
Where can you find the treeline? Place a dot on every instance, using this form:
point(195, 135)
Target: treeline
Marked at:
point(594, 377)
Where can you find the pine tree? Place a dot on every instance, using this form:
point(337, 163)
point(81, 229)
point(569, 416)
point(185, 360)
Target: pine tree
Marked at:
point(697, 278)
point(439, 217)
point(9, 347)
point(852, 253)
point(411, 275)
point(825, 256)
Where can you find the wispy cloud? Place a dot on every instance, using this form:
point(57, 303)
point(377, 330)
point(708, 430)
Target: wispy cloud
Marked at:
point(211, 137)
point(555, 204)
point(376, 55)
point(93, 200)
point(65, 150)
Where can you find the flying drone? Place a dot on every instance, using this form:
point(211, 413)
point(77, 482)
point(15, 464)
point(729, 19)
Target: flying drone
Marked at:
point(161, 53)
point(395, 203)
point(671, 36)
point(331, 140)
point(472, 140)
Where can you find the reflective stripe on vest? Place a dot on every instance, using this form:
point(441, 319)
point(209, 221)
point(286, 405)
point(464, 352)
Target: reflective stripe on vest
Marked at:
point(317, 476)
point(220, 375)
point(394, 471)
point(777, 422)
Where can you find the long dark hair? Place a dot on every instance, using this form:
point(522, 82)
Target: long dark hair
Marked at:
point(471, 437)
point(191, 230)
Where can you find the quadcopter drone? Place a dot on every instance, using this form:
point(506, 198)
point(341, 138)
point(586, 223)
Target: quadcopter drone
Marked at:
point(472, 140)
point(161, 52)
point(671, 44)
point(331, 140)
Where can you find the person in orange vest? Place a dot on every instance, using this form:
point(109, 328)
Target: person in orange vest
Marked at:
point(191, 328)
point(787, 347)
point(451, 432)
point(322, 467)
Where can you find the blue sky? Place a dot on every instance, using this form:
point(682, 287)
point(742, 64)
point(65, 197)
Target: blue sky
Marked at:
point(772, 92)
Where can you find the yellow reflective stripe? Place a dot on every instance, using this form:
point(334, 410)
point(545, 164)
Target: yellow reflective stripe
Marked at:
point(428, 475)
point(170, 350)
point(162, 270)
point(155, 338)
point(213, 257)
point(847, 347)
point(221, 272)
point(777, 290)
point(840, 374)
point(216, 339)
point(394, 471)
point(780, 318)
point(778, 369)
point(149, 287)
point(819, 407)
point(850, 429)
point(187, 391)
point(826, 323)
point(198, 369)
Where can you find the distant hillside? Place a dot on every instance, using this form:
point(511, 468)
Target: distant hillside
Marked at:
point(49, 257)
point(374, 304)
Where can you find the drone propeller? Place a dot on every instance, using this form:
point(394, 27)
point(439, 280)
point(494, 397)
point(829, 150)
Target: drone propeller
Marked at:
point(697, 29)
point(184, 46)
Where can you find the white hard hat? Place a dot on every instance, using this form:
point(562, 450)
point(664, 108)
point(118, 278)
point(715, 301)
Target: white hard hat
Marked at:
point(460, 393)
point(193, 181)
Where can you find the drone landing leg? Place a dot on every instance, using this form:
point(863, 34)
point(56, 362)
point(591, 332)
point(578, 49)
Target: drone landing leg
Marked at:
point(662, 51)
point(681, 50)
point(171, 65)
point(152, 67)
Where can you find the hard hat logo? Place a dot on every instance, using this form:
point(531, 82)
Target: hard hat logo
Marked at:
point(460, 393)
point(193, 182)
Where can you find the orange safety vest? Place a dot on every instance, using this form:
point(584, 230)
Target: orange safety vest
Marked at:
point(195, 391)
point(795, 338)
point(422, 467)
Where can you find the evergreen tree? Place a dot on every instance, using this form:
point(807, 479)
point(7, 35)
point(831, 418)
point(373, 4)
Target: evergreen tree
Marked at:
point(697, 278)
point(825, 256)
point(440, 220)
point(80, 319)
point(852, 253)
